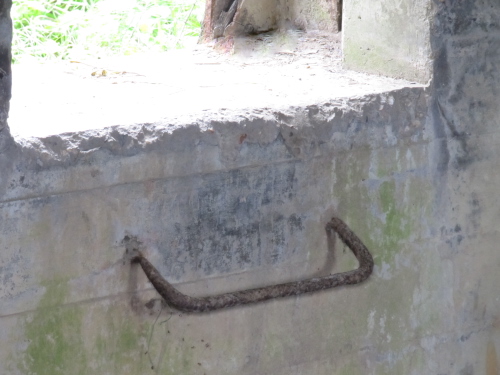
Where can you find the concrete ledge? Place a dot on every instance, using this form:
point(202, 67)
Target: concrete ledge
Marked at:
point(196, 112)
point(216, 141)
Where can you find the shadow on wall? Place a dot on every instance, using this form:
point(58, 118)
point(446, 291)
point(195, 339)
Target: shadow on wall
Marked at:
point(5, 69)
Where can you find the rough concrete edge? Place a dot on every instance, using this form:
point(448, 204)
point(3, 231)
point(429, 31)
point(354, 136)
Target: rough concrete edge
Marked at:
point(80, 161)
point(64, 148)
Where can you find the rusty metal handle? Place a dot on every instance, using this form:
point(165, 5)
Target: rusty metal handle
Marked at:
point(185, 303)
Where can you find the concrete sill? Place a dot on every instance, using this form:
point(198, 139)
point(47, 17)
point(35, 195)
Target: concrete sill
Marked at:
point(185, 86)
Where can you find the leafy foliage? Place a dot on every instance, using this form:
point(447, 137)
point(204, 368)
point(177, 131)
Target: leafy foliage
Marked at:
point(75, 29)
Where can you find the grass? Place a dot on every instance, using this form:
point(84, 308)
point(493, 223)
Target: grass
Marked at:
point(78, 29)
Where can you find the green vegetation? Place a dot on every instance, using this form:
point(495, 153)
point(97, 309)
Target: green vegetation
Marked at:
point(78, 29)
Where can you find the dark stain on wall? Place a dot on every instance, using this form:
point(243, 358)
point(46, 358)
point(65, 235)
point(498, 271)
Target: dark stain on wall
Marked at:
point(467, 17)
point(5, 61)
point(467, 370)
point(232, 220)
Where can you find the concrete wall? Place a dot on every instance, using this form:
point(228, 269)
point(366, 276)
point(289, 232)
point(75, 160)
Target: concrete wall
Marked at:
point(389, 37)
point(465, 114)
point(222, 204)
point(237, 200)
point(311, 15)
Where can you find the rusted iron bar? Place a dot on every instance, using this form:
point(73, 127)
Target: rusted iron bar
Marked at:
point(185, 303)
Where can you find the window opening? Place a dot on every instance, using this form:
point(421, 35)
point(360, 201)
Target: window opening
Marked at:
point(277, 54)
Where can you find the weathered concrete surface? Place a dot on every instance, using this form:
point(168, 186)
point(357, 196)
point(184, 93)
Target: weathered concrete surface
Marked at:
point(311, 15)
point(233, 200)
point(464, 112)
point(226, 203)
point(388, 37)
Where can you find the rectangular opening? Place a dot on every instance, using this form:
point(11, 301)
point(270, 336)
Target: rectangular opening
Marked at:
point(268, 56)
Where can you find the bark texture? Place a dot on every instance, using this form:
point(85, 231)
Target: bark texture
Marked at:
point(233, 18)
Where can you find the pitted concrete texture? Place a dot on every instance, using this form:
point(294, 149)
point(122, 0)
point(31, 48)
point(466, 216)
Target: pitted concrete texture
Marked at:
point(273, 72)
point(218, 141)
point(220, 204)
point(233, 199)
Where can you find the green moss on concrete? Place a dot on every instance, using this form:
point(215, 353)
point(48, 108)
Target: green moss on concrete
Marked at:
point(274, 347)
point(118, 341)
point(386, 213)
point(179, 359)
point(352, 368)
point(102, 337)
point(371, 58)
point(397, 226)
point(134, 344)
point(352, 195)
point(387, 39)
point(119, 347)
point(54, 336)
point(387, 207)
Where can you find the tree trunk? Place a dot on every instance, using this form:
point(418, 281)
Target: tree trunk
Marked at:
point(231, 18)
point(218, 15)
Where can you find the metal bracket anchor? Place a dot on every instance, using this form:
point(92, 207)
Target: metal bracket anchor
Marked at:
point(185, 303)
